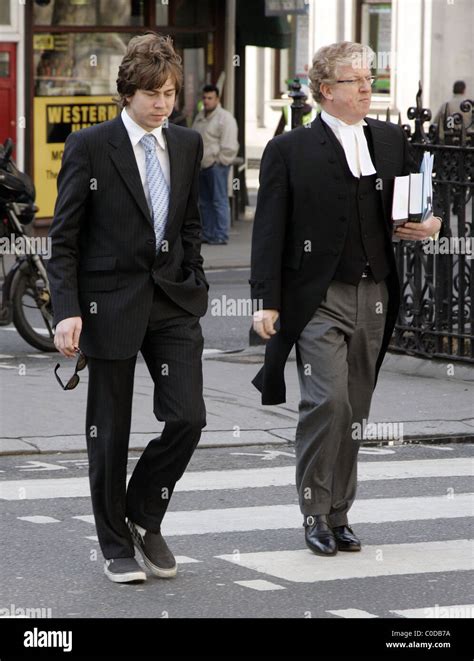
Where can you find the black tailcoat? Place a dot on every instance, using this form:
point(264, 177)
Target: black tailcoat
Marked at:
point(299, 232)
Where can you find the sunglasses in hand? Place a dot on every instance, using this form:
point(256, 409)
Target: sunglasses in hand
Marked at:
point(74, 380)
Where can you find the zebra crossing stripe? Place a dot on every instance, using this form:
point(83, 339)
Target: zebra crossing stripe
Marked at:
point(436, 611)
point(302, 566)
point(78, 487)
point(279, 517)
point(39, 519)
point(353, 613)
point(260, 585)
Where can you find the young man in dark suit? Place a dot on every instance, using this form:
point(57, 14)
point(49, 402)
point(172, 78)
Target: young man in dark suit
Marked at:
point(323, 264)
point(126, 276)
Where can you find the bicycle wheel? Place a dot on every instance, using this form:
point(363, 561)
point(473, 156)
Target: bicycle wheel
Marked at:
point(32, 311)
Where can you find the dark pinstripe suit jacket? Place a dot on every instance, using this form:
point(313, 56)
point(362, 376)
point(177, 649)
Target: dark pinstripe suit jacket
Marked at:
point(103, 265)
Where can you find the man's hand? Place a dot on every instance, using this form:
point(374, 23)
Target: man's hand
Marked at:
point(66, 337)
point(264, 322)
point(418, 231)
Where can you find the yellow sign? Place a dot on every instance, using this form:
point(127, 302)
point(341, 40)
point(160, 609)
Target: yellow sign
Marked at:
point(43, 42)
point(55, 118)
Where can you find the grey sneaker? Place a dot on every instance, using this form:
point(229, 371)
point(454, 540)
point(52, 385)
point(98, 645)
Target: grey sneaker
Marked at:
point(156, 554)
point(123, 570)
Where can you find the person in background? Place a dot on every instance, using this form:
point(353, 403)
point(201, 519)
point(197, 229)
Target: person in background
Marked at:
point(453, 105)
point(444, 114)
point(218, 129)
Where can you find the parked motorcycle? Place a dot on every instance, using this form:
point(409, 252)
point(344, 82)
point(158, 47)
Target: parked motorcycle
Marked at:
point(26, 298)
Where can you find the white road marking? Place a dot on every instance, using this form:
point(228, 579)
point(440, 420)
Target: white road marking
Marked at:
point(288, 517)
point(39, 519)
point(384, 560)
point(39, 466)
point(260, 585)
point(42, 331)
point(77, 487)
point(375, 451)
point(185, 560)
point(266, 455)
point(353, 613)
point(444, 448)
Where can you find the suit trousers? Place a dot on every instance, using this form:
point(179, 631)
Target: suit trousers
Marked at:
point(336, 361)
point(172, 349)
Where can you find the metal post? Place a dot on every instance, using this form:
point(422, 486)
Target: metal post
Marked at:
point(299, 97)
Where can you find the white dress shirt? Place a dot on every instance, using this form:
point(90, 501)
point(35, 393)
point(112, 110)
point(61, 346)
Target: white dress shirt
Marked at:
point(136, 133)
point(354, 143)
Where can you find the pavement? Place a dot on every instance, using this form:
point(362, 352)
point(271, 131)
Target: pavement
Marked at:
point(236, 254)
point(415, 399)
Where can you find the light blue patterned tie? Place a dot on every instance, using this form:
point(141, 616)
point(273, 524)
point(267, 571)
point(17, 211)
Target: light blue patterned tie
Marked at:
point(157, 187)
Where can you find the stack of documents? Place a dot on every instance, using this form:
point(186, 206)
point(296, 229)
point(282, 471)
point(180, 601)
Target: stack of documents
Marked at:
point(413, 194)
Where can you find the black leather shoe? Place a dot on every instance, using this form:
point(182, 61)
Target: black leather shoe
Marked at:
point(345, 538)
point(319, 536)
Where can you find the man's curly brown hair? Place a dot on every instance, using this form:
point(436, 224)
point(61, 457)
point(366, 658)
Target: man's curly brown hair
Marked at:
point(148, 63)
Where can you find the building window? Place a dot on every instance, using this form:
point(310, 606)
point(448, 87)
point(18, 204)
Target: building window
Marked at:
point(4, 65)
point(5, 15)
point(82, 63)
point(162, 12)
point(376, 31)
point(88, 12)
point(183, 13)
point(77, 47)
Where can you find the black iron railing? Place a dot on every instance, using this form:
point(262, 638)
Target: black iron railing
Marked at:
point(436, 316)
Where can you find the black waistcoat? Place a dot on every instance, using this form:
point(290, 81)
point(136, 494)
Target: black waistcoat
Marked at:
point(366, 239)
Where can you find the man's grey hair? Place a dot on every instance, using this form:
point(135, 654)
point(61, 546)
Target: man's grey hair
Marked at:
point(328, 60)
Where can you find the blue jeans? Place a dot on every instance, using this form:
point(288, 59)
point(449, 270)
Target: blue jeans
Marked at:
point(214, 203)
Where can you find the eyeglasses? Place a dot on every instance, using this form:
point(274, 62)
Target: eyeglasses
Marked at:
point(367, 79)
point(74, 380)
